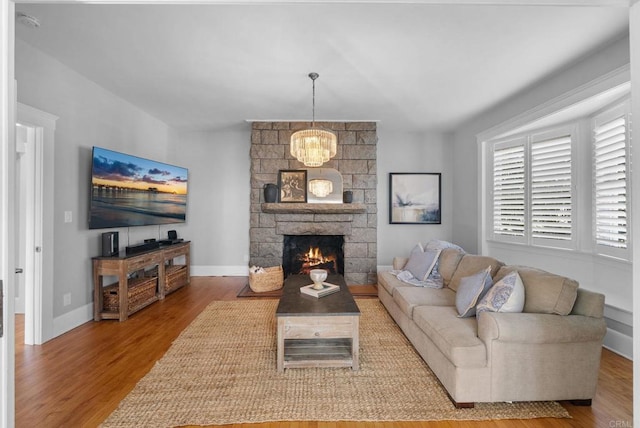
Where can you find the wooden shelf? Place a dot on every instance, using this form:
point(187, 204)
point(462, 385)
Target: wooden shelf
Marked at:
point(303, 208)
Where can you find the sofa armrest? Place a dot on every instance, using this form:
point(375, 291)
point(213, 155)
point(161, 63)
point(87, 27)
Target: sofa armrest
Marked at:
point(399, 262)
point(588, 303)
point(539, 328)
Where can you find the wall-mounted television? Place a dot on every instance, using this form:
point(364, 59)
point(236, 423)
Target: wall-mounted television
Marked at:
point(130, 191)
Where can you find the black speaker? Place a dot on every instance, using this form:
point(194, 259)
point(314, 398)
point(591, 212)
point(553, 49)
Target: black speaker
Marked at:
point(110, 245)
point(172, 234)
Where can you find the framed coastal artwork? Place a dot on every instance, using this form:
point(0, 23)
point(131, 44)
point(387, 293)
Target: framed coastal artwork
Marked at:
point(292, 185)
point(414, 198)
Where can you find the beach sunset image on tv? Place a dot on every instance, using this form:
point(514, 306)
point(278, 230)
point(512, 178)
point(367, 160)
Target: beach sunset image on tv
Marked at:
point(130, 191)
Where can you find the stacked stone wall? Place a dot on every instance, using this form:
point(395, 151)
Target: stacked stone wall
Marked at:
point(355, 160)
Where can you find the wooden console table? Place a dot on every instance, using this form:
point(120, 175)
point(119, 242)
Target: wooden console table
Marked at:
point(153, 272)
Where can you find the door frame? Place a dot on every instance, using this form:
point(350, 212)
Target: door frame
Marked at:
point(39, 299)
point(7, 198)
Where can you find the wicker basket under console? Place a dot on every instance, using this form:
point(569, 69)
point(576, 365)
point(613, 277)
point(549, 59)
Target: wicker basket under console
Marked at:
point(175, 276)
point(141, 292)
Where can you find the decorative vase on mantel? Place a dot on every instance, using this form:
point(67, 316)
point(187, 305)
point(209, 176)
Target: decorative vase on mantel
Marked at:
point(270, 193)
point(347, 196)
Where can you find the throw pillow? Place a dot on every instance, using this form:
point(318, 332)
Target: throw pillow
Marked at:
point(507, 295)
point(417, 249)
point(471, 289)
point(437, 244)
point(420, 264)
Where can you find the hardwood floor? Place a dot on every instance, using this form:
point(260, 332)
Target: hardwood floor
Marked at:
point(78, 379)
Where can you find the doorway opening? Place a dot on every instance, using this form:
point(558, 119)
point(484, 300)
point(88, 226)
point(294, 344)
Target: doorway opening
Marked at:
point(28, 215)
point(34, 199)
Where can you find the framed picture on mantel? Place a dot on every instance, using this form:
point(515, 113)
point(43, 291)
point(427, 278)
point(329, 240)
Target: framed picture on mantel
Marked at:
point(414, 198)
point(293, 185)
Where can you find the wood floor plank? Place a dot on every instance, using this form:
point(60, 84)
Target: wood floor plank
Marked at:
point(78, 379)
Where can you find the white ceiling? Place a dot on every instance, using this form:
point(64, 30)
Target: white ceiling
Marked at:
point(413, 67)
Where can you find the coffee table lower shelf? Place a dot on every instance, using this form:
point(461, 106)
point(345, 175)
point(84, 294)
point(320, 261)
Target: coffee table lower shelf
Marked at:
point(318, 353)
point(318, 341)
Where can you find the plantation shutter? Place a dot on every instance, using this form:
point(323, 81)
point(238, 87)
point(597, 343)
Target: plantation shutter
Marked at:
point(610, 170)
point(509, 191)
point(551, 200)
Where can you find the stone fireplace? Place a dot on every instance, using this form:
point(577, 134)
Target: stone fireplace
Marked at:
point(356, 223)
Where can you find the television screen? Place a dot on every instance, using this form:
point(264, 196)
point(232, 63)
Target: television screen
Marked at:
point(131, 191)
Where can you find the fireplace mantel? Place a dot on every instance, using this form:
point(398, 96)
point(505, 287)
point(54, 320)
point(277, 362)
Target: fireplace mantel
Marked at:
point(304, 208)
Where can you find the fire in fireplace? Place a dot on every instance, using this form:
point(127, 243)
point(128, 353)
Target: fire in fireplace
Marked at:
point(301, 253)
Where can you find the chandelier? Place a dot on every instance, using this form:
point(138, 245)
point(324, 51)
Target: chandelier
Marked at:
point(320, 187)
point(313, 146)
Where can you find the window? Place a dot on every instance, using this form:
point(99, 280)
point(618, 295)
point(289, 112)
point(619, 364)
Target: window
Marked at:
point(533, 201)
point(564, 186)
point(551, 198)
point(610, 178)
point(508, 191)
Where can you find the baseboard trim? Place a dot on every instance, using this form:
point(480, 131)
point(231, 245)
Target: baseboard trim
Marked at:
point(219, 271)
point(71, 320)
point(619, 343)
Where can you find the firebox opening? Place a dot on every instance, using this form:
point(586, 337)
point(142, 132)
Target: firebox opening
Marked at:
point(301, 253)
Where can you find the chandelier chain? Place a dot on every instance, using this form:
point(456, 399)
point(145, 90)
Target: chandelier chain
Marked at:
point(313, 77)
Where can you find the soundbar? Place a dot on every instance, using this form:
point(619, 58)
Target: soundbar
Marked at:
point(170, 241)
point(134, 249)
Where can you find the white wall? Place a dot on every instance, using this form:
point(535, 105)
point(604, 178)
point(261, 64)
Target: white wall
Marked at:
point(411, 152)
point(88, 115)
point(219, 198)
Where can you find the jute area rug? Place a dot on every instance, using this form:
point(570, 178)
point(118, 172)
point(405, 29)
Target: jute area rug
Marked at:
point(222, 370)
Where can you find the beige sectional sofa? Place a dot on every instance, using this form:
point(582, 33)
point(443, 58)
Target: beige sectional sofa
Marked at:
point(550, 351)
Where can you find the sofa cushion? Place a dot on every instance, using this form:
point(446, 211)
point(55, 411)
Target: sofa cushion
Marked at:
point(545, 293)
point(399, 262)
point(448, 262)
point(457, 338)
point(407, 298)
point(507, 295)
point(471, 264)
point(389, 282)
point(471, 290)
point(438, 244)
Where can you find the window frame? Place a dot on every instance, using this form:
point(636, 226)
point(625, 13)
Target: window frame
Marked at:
point(557, 132)
point(621, 108)
point(526, 140)
point(501, 145)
